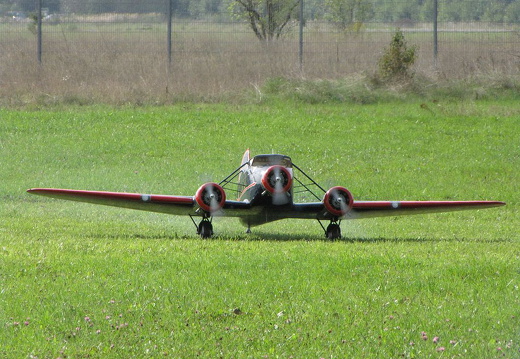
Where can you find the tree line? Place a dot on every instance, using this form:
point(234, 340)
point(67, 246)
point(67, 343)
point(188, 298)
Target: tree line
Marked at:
point(344, 13)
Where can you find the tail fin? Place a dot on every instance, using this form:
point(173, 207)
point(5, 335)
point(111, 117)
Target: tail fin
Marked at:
point(245, 157)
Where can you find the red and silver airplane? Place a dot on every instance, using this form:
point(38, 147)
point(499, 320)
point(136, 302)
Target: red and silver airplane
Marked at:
point(266, 187)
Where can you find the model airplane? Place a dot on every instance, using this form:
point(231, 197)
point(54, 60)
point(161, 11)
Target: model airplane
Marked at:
point(266, 187)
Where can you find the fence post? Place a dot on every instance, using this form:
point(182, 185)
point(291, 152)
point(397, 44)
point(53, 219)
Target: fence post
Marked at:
point(435, 39)
point(39, 31)
point(169, 44)
point(300, 52)
point(169, 36)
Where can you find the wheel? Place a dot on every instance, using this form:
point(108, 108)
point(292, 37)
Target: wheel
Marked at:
point(205, 229)
point(333, 231)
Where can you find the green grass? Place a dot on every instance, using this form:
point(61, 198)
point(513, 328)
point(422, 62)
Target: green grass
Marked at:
point(80, 281)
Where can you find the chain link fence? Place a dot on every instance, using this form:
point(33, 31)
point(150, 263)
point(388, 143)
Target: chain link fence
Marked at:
point(172, 46)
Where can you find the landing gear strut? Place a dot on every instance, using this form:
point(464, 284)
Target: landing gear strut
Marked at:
point(204, 228)
point(333, 230)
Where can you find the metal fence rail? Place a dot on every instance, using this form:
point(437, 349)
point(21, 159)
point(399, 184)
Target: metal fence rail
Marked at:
point(159, 43)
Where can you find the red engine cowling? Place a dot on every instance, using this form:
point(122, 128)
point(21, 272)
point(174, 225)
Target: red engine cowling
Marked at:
point(210, 197)
point(277, 179)
point(338, 201)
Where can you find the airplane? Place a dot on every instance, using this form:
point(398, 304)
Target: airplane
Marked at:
point(266, 187)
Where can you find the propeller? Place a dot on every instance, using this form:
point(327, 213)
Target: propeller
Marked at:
point(338, 201)
point(210, 197)
point(279, 196)
point(277, 180)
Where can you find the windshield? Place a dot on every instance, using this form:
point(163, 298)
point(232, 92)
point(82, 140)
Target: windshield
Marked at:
point(271, 160)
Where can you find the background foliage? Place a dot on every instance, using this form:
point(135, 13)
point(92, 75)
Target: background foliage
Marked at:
point(367, 10)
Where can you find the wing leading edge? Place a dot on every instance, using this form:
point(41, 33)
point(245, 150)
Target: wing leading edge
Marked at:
point(177, 205)
point(371, 209)
point(185, 205)
point(180, 205)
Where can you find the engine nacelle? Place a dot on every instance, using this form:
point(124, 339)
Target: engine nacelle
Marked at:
point(210, 197)
point(338, 201)
point(277, 179)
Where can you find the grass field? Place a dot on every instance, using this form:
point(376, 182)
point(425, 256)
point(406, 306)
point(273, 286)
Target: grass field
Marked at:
point(82, 281)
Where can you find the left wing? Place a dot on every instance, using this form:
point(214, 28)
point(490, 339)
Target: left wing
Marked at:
point(181, 205)
point(177, 205)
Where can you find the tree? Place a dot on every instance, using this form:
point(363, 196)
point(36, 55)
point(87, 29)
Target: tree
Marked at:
point(512, 13)
point(267, 18)
point(349, 14)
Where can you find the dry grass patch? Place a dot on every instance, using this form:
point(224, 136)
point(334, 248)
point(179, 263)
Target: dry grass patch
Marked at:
point(127, 63)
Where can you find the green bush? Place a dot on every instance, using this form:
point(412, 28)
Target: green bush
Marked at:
point(33, 25)
point(397, 59)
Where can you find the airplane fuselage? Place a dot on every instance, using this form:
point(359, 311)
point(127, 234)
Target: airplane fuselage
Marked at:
point(267, 180)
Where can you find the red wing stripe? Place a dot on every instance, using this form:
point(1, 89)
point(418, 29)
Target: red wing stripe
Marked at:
point(421, 204)
point(113, 195)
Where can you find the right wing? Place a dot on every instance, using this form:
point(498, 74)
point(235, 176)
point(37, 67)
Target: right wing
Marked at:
point(371, 209)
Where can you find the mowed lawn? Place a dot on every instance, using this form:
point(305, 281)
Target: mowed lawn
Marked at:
point(83, 281)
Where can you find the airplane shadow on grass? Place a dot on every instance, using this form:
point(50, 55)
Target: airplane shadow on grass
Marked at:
point(269, 236)
point(280, 237)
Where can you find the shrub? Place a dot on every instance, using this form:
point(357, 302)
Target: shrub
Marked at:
point(32, 27)
point(397, 59)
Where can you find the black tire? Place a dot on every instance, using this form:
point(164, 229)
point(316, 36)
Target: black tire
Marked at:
point(205, 229)
point(333, 231)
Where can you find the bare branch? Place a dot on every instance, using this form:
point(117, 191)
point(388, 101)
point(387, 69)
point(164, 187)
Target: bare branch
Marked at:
point(267, 18)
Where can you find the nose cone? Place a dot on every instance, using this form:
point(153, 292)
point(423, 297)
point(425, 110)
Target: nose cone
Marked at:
point(277, 179)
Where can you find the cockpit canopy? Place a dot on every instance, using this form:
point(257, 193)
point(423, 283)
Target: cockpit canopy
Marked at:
point(271, 160)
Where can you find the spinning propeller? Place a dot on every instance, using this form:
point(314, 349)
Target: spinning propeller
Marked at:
point(338, 201)
point(210, 197)
point(277, 180)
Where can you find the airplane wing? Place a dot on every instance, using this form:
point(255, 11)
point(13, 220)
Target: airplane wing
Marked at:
point(371, 209)
point(257, 215)
point(146, 202)
point(177, 205)
point(186, 205)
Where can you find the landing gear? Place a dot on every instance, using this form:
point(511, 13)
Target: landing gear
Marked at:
point(333, 230)
point(205, 228)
